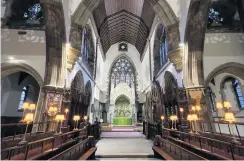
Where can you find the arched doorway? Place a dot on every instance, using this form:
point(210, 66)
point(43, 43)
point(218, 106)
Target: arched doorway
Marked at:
point(122, 111)
point(17, 88)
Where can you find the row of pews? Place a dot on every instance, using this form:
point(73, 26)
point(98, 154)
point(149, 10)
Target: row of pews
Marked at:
point(48, 146)
point(178, 145)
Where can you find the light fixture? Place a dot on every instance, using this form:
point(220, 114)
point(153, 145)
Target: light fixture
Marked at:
point(181, 111)
point(25, 106)
point(66, 111)
point(198, 108)
point(193, 108)
point(29, 117)
point(76, 118)
point(219, 105)
point(32, 107)
point(229, 117)
point(60, 118)
point(11, 58)
point(85, 118)
point(162, 119)
point(227, 105)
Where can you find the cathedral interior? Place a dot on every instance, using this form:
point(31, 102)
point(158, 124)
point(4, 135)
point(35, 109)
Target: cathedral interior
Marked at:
point(122, 79)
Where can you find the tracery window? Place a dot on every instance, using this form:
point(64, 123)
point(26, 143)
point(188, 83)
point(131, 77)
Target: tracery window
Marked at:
point(23, 97)
point(163, 51)
point(26, 12)
point(122, 72)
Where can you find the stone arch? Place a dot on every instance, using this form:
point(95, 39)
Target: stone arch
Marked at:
point(55, 39)
point(194, 43)
point(233, 68)
point(171, 91)
point(8, 68)
point(129, 100)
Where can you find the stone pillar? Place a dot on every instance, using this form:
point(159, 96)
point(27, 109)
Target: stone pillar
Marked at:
point(196, 95)
point(39, 110)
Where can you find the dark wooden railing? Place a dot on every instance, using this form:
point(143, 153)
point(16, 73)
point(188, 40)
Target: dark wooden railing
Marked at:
point(37, 148)
point(151, 130)
point(18, 129)
point(94, 130)
point(73, 152)
point(226, 150)
point(176, 151)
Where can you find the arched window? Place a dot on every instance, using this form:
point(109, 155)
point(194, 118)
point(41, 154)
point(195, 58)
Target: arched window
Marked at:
point(212, 98)
point(26, 13)
point(160, 49)
point(85, 50)
point(23, 97)
point(236, 88)
point(163, 47)
point(226, 14)
point(238, 92)
point(122, 72)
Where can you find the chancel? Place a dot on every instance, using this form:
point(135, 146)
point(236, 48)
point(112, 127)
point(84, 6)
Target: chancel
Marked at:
point(122, 79)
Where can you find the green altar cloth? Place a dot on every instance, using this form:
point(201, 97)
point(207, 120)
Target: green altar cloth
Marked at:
point(122, 121)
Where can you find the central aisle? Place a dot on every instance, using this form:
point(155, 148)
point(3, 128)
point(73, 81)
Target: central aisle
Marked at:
point(130, 147)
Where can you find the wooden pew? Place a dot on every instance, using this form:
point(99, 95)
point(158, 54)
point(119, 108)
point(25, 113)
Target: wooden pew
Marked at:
point(159, 153)
point(89, 155)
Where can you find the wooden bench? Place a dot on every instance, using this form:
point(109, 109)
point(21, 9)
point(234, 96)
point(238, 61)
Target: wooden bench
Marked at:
point(89, 155)
point(159, 153)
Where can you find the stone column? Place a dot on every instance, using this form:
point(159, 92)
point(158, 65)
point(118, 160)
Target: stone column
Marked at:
point(39, 111)
point(196, 95)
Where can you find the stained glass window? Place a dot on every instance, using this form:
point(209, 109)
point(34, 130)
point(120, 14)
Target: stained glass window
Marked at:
point(214, 18)
point(122, 72)
point(225, 15)
point(34, 14)
point(23, 97)
point(26, 13)
point(163, 51)
point(239, 94)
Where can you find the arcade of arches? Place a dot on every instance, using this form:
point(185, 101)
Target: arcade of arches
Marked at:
point(168, 71)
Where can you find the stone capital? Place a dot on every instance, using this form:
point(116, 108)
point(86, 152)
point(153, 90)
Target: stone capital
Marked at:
point(196, 93)
point(175, 56)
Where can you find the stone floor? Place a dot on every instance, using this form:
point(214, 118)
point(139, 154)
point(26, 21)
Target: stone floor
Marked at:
point(122, 134)
point(134, 147)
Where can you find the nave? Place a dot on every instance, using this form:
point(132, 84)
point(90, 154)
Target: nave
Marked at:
point(122, 79)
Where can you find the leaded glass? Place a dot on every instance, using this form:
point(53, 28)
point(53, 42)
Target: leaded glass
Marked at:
point(22, 97)
point(239, 93)
point(122, 72)
point(163, 51)
point(34, 14)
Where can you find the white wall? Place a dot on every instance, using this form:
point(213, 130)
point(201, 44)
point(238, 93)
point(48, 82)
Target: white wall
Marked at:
point(221, 48)
point(29, 48)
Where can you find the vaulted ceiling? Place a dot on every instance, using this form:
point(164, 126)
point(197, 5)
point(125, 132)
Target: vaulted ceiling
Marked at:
point(124, 20)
